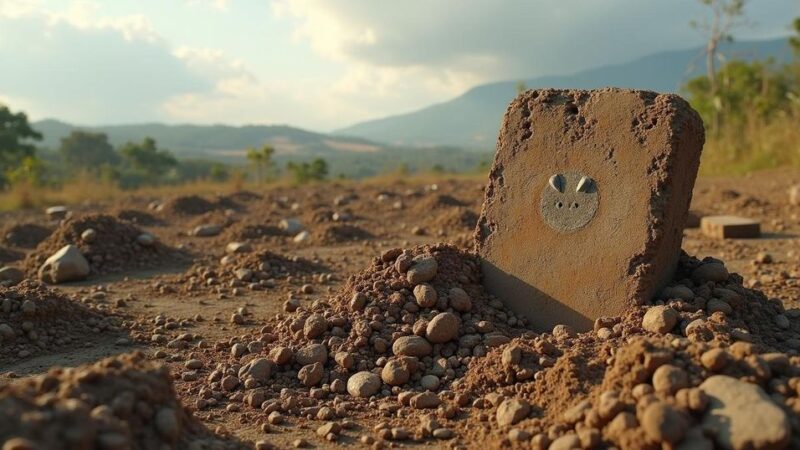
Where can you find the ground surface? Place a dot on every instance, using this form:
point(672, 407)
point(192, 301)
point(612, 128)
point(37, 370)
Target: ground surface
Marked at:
point(369, 219)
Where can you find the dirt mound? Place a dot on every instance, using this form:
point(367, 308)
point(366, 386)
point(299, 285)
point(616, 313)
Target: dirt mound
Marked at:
point(139, 217)
point(121, 402)
point(25, 235)
point(36, 320)
point(416, 331)
point(330, 234)
point(113, 246)
point(189, 205)
point(456, 219)
point(241, 231)
point(438, 201)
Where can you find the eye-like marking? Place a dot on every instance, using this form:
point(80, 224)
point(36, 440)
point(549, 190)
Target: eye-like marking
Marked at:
point(585, 185)
point(557, 182)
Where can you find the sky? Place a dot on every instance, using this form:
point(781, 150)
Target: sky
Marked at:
point(318, 64)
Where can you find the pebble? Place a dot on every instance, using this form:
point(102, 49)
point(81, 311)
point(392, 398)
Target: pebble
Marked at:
point(670, 379)
point(425, 295)
point(459, 300)
point(311, 374)
point(310, 354)
point(167, 423)
point(412, 346)
point(713, 271)
point(663, 423)
point(395, 373)
point(443, 328)
point(425, 400)
point(512, 411)
point(363, 384)
point(423, 268)
point(660, 319)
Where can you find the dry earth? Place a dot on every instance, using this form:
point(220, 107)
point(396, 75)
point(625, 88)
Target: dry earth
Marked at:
point(234, 326)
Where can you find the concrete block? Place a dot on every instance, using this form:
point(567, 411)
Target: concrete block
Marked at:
point(730, 227)
point(586, 203)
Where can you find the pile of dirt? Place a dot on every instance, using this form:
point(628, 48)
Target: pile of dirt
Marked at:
point(8, 255)
point(337, 233)
point(254, 271)
point(25, 235)
point(139, 217)
point(456, 220)
point(241, 231)
point(416, 331)
point(35, 320)
point(188, 205)
point(111, 246)
point(121, 402)
point(438, 202)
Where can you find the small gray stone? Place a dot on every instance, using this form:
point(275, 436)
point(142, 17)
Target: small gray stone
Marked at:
point(443, 328)
point(411, 346)
point(423, 268)
point(67, 264)
point(363, 384)
point(512, 411)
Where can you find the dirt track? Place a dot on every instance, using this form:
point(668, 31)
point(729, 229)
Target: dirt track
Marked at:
point(199, 297)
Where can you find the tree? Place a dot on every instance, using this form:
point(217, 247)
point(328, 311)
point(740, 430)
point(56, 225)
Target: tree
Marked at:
point(16, 135)
point(148, 159)
point(261, 159)
point(521, 87)
point(304, 172)
point(725, 15)
point(794, 41)
point(83, 149)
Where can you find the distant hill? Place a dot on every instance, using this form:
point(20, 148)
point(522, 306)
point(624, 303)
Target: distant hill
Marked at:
point(472, 120)
point(217, 141)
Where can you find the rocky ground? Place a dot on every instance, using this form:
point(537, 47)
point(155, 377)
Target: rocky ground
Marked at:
point(353, 314)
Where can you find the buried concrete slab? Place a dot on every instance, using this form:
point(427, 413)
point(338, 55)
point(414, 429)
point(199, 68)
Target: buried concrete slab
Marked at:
point(730, 227)
point(586, 202)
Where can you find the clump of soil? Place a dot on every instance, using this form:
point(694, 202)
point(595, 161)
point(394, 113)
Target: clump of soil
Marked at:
point(456, 219)
point(25, 235)
point(139, 217)
point(35, 320)
point(113, 247)
point(437, 202)
point(121, 402)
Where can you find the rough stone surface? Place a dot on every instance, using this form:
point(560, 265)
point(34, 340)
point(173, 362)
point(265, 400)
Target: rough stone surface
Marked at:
point(627, 251)
point(512, 411)
point(67, 264)
point(742, 416)
point(363, 384)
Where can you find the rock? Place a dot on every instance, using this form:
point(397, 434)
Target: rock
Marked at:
point(315, 325)
point(680, 291)
point(395, 373)
point(282, 355)
point(663, 423)
point(425, 400)
point(713, 271)
point(359, 301)
point(243, 274)
point(291, 226)
point(566, 442)
point(660, 319)
point(411, 346)
point(88, 235)
point(310, 354)
point(443, 328)
point(10, 276)
point(742, 416)
point(329, 428)
point(259, 369)
point(311, 374)
point(57, 212)
point(459, 300)
point(556, 201)
point(167, 424)
point(670, 379)
point(423, 268)
point(429, 382)
point(512, 411)
point(301, 237)
point(425, 295)
point(206, 230)
point(238, 247)
point(146, 240)
point(715, 305)
point(67, 264)
point(363, 384)
point(715, 359)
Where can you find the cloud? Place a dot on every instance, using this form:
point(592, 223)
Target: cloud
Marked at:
point(75, 68)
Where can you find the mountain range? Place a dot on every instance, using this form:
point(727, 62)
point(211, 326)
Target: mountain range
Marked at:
point(469, 122)
point(472, 120)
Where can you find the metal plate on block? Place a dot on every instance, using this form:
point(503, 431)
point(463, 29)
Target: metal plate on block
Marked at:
point(569, 201)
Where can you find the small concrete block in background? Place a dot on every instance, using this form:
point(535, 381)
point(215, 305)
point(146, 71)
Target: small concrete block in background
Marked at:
point(693, 219)
point(730, 227)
